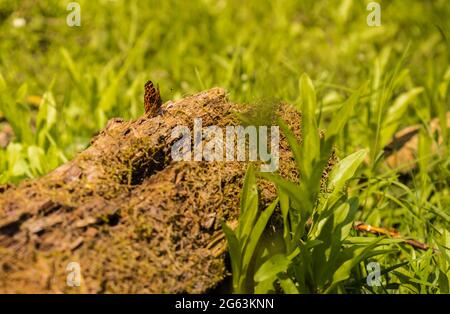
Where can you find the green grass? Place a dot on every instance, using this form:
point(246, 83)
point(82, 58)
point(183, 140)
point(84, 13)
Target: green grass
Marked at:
point(363, 84)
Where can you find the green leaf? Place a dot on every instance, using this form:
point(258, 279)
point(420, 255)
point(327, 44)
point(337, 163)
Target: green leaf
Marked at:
point(46, 117)
point(349, 259)
point(443, 279)
point(21, 92)
point(287, 284)
point(36, 155)
point(74, 73)
point(17, 165)
point(334, 225)
point(255, 235)
point(284, 207)
point(249, 189)
point(311, 142)
point(235, 253)
point(296, 192)
point(249, 205)
point(344, 114)
point(396, 113)
point(368, 240)
point(278, 263)
point(265, 286)
point(293, 143)
point(345, 170)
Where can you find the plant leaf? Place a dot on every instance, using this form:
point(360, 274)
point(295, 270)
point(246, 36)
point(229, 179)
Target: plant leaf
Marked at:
point(255, 235)
point(345, 170)
point(278, 263)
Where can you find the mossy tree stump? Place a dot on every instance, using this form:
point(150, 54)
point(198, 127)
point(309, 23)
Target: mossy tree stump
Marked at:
point(135, 220)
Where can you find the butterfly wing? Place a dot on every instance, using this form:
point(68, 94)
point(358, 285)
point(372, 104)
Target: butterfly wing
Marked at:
point(152, 98)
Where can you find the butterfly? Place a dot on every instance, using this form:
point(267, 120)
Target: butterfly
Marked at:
point(152, 99)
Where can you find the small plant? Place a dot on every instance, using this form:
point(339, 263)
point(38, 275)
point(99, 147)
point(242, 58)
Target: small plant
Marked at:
point(319, 255)
point(242, 242)
point(36, 151)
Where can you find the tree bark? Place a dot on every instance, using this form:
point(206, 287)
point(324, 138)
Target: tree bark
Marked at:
point(133, 219)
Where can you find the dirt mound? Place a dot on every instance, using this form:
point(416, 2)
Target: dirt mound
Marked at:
point(135, 220)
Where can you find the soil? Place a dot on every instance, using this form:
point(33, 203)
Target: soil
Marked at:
point(135, 220)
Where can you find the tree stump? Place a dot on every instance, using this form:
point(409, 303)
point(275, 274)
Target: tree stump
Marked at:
point(132, 218)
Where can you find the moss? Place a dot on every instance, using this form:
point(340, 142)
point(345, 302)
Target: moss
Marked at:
point(132, 218)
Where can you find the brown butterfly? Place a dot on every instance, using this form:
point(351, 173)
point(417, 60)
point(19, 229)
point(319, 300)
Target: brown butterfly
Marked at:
point(152, 99)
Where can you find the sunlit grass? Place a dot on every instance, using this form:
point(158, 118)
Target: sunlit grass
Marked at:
point(60, 84)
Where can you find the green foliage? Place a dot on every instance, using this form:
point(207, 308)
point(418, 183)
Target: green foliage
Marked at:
point(316, 223)
point(243, 241)
point(369, 82)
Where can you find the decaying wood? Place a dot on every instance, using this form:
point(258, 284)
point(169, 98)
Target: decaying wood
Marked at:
point(135, 220)
point(402, 152)
point(6, 134)
point(361, 226)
